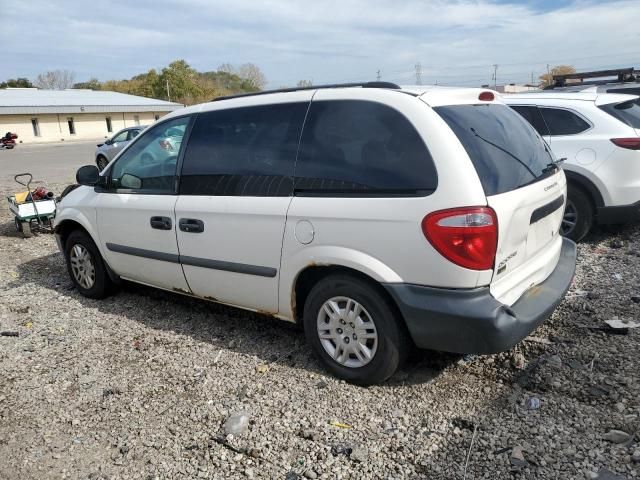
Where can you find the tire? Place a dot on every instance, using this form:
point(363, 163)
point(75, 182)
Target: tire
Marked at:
point(97, 285)
point(18, 224)
point(25, 228)
point(102, 162)
point(578, 216)
point(377, 318)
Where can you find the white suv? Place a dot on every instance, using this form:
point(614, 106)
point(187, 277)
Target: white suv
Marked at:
point(377, 217)
point(599, 135)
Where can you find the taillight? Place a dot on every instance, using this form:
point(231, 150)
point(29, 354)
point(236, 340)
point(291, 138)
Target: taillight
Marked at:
point(466, 236)
point(486, 97)
point(166, 145)
point(630, 143)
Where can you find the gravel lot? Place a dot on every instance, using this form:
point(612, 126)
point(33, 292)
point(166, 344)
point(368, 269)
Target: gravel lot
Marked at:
point(140, 386)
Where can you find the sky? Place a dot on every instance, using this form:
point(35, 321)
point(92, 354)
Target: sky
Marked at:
point(325, 41)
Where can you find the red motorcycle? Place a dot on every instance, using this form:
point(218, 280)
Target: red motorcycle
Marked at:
point(8, 141)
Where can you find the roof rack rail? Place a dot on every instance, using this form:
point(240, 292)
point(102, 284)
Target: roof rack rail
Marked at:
point(623, 74)
point(389, 85)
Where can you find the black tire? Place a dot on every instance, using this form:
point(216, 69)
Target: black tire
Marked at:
point(18, 224)
point(102, 285)
point(102, 162)
point(580, 212)
point(392, 342)
point(25, 228)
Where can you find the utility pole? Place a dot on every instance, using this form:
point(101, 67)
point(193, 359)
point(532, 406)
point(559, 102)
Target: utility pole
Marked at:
point(531, 78)
point(378, 75)
point(495, 75)
point(168, 93)
point(418, 73)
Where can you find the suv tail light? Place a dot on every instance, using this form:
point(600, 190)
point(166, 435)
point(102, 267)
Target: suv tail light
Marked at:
point(630, 143)
point(466, 236)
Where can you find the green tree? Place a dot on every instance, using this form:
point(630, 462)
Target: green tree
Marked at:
point(20, 82)
point(179, 82)
point(92, 84)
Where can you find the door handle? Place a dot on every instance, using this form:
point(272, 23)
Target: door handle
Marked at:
point(160, 223)
point(191, 225)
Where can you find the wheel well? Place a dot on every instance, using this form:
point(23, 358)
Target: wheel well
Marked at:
point(312, 275)
point(578, 181)
point(65, 229)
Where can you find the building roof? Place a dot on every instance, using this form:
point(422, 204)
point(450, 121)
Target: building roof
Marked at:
point(34, 101)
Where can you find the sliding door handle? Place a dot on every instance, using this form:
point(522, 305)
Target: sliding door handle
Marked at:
point(191, 225)
point(160, 223)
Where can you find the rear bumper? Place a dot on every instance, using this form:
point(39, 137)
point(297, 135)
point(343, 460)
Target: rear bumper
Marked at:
point(619, 214)
point(472, 321)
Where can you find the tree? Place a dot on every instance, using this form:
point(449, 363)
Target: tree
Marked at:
point(305, 83)
point(252, 75)
point(55, 80)
point(92, 84)
point(20, 82)
point(179, 82)
point(547, 78)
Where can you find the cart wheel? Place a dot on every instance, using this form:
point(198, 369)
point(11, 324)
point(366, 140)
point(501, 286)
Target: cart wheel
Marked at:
point(26, 229)
point(18, 224)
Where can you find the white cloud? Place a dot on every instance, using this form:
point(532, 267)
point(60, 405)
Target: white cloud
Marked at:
point(456, 42)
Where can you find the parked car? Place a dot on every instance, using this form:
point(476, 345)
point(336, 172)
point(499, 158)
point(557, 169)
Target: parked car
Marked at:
point(377, 217)
point(599, 136)
point(111, 147)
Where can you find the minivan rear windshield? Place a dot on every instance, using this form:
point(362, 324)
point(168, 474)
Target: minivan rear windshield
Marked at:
point(506, 151)
point(627, 112)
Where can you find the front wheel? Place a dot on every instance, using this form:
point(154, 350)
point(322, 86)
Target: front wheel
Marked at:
point(102, 162)
point(578, 215)
point(354, 330)
point(85, 266)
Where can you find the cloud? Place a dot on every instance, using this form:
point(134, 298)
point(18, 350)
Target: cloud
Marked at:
point(327, 41)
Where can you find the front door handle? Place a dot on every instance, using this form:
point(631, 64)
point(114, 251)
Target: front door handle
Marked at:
point(191, 225)
point(160, 223)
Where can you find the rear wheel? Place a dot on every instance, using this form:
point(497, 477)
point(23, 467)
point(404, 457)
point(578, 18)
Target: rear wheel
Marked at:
point(25, 228)
point(354, 330)
point(102, 162)
point(578, 215)
point(85, 266)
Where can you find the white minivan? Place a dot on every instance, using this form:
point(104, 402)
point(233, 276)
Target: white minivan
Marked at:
point(378, 217)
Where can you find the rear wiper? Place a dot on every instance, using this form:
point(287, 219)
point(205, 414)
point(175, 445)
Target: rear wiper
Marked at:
point(505, 151)
point(553, 166)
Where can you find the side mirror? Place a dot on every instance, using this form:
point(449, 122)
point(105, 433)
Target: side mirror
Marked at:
point(108, 141)
point(87, 175)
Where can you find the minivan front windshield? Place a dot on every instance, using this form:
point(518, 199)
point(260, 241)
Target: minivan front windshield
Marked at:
point(506, 151)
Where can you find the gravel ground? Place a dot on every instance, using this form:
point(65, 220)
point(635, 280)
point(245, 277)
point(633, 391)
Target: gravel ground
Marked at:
point(142, 385)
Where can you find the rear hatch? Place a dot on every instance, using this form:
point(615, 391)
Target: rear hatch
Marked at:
point(625, 108)
point(524, 187)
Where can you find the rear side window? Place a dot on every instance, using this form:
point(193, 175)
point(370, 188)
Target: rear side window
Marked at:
point(356, 147)
point(248, 151)
point(532, 114)
point(563, 122)
point(506, 151)
point(627, 112)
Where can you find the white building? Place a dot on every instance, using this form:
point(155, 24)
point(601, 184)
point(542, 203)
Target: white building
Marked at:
point(74, 114)
point(515, 88)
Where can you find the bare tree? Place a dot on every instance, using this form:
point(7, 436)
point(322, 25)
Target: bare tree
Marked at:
point(253, 75)
point(305, 83)
point(55, 80)
point(547, 78)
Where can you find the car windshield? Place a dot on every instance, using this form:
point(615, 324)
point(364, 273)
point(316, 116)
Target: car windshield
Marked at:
point(506, 151)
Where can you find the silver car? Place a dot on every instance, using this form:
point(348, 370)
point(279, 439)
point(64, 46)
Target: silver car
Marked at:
point(111, 147)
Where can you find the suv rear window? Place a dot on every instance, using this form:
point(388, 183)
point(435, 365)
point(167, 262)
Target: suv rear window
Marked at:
point(506, 151)
point(355, 147)
point(627, 112)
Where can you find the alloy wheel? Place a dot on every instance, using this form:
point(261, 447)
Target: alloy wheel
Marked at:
point(570, 219)
point(82, 266)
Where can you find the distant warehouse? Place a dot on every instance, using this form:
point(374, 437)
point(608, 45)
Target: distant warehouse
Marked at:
point(73, 114)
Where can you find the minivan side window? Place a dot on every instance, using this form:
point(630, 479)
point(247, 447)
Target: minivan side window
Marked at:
point(149, 164)
point(355, 147)
point(563, 122)
point(532, 114)
point(248, 151)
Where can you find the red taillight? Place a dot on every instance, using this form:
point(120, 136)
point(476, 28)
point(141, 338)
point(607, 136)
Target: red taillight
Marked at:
point(466, 236)
point(630, 143)
point(486, 97)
